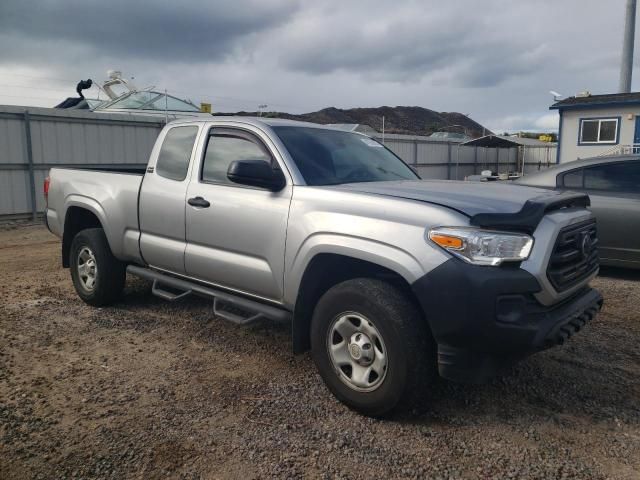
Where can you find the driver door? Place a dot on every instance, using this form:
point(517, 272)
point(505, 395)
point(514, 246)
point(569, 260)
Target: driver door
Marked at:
point(237, 241)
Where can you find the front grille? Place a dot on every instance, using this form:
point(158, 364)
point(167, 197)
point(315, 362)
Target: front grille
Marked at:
point(574, 256)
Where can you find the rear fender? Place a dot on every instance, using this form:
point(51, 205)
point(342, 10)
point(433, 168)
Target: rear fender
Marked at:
point(86, 204)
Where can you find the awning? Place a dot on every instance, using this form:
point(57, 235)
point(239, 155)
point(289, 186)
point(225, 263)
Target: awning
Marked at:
point(506, 141)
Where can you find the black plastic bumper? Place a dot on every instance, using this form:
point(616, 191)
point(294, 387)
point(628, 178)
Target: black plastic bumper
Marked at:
point(484, 318)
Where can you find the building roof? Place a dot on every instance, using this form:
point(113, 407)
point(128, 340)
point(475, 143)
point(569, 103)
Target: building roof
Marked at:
point(505, 141)
point(596, 101)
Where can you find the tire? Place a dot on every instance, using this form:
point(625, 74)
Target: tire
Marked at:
point(91, 259)
point(394, 328)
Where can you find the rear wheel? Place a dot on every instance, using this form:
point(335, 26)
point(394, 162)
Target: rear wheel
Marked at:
point(372, 347)
point(97, 275)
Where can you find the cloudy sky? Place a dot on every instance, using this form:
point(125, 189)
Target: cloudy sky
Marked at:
point(494, 60)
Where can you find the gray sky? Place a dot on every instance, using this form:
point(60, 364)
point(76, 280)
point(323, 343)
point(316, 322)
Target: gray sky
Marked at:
point(495, 60)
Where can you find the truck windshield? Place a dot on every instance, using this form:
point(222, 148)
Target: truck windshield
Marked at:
point(331, 157)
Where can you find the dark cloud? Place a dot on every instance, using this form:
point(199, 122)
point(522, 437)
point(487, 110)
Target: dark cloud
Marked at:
point(407, 43)
point(180, 31)
point(493, 59)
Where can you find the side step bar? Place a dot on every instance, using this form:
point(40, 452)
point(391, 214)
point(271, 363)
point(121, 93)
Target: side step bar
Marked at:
point(257, 309)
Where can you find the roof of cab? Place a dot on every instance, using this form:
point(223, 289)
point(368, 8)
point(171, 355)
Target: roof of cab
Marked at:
point(256, 121)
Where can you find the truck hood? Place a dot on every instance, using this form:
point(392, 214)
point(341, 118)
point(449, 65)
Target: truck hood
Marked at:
point(470, 198)
point(489, 205)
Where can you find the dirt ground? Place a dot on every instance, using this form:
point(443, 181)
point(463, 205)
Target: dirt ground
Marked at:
point(148, 389)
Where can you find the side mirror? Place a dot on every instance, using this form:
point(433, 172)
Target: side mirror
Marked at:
point(256, 173)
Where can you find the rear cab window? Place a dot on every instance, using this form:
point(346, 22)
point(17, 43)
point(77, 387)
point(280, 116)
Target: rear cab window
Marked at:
point(175, 153)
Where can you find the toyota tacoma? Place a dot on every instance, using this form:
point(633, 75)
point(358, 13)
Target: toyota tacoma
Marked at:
point(388, 279)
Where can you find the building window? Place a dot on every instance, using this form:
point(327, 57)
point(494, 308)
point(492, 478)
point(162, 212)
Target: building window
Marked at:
point(598, 130)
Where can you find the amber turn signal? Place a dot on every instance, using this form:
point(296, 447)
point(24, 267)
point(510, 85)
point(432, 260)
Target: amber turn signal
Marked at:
point(446, 241)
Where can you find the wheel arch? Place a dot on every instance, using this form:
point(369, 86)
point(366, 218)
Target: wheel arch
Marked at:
point(322, 272)
point(78, 217)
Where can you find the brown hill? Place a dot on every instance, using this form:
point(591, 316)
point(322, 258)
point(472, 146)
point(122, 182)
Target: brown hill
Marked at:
point(405, 120)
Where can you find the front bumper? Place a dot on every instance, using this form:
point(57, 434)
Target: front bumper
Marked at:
point(484, 318)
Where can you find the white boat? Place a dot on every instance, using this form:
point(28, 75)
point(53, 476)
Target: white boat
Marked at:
point(131, 100)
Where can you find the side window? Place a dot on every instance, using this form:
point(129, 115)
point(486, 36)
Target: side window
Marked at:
point(572, 179)
point(224, 148)
point(615, 177)
point(175, 153)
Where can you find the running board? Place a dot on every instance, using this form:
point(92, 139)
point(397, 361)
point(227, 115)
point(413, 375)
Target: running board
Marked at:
point(256, 310)
point(169, 296)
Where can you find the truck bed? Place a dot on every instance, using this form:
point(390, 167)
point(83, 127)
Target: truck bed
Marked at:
point(113, 194)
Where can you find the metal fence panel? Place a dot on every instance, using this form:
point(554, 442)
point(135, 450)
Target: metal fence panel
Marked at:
point(71, 137)
point(464, 154)
point(539, 158)
point(405, 149)
point(431, 155)
point(432, 152)
point(14, 192)
point(64, 137)
point(12, 142)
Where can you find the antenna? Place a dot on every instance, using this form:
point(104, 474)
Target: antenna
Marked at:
point(556, 96)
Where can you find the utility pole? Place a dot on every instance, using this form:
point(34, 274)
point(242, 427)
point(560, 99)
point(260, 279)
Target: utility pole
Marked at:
point(626, 65)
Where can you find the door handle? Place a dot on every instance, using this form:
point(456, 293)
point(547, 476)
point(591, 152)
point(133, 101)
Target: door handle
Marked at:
point(198, 202)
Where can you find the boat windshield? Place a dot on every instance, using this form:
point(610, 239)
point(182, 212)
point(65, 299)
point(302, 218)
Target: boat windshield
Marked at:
point(151, 101)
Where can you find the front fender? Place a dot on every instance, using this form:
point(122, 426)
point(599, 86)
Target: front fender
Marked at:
point(386, 255)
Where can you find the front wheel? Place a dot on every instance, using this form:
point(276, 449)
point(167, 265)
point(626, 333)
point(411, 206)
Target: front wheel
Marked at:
point(371, 346)
point(97, 275)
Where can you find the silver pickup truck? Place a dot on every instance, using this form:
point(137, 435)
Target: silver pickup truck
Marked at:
point(389, 280)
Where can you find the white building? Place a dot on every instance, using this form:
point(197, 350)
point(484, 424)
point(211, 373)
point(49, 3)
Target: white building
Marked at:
point(594, 125)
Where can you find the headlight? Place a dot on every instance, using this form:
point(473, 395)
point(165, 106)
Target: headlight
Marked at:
point(482, 247)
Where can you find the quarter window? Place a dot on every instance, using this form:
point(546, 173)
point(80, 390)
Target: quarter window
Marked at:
point(599, 130)
point(175, 153)
point(224, 148)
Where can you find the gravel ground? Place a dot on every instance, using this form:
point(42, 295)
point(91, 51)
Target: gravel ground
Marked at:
point(148, 389)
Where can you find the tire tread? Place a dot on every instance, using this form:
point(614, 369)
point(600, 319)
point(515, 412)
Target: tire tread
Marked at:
point(407, 320)
point(111, 271)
